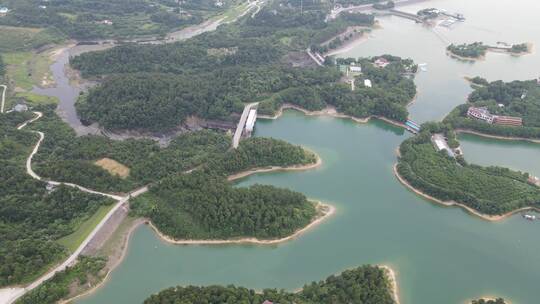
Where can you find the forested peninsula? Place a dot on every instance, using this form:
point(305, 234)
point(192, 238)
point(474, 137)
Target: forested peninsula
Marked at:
point(261, 58)
point(491, 191)
point(520, 99)
point(365, 284)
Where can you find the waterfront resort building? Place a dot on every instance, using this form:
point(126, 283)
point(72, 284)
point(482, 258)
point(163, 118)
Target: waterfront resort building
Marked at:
point(381, 62)
point(480, 113)
point(250, 122)
point(483, 114)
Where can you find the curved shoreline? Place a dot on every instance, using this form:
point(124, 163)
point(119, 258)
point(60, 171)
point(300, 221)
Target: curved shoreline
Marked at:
point(491, 218)
point(246, 173)
point(101, 283)
point(328, 210)
point(473, 132)
point(331, 112)
point(392, 278)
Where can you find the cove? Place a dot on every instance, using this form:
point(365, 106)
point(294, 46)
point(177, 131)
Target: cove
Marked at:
point(441, 255)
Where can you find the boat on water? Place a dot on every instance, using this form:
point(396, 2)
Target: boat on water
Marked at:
point(529, 217)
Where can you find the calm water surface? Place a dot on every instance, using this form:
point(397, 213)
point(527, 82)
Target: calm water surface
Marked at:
point(442, 255)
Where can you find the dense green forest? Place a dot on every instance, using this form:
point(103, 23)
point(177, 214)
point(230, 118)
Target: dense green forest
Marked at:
point(85, 272)
point(237, 63)
point(365, 284)
point(516, 98)
point(65, 157)
point(163, 101)
point(392, 90)
point(91, 19)
point(468, 50)
point(32, 218)
point(204, 205)
point(490, 190)
point(482, 301)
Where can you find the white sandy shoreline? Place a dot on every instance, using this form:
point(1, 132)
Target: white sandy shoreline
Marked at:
point(327, 211)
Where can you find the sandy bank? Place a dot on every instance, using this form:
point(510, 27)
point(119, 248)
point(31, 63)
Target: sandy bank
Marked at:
point(392, 278)
point(468, 131)
point(114, 260)
point(325, 211)
point(332, 112)
point(492, 218)
point(243, 174)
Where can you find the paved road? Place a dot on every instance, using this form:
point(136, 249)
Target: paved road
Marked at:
point(10, 295)
point(241, 124)
point(3, 98)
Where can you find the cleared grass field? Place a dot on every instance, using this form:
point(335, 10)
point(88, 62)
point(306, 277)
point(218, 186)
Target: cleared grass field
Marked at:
point(73, 240)
point(26, 69)
point(113, 167)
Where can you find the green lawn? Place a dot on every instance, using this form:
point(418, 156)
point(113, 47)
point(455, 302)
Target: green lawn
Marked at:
point(26, 69)
point(73, 240)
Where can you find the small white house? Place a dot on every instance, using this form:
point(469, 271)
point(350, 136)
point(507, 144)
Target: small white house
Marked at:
point(3, 10)
point(355, 69)
point(367, 83)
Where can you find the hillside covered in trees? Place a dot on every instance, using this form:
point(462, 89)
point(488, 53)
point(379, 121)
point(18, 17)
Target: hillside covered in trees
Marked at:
point(365, 284)
point(204, 205)
point(93, 19)
point(489, 190)
point(517, 98)
point(238, 63)
point(33, 219)
point(391, 91)
point(65, 157)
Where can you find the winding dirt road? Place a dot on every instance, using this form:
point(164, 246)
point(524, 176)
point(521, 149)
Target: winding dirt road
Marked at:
point(10, 295)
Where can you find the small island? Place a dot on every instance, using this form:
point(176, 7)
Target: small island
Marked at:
point(365, 284)
point(490, 301)
point(500, 109)
point(478, 50)
point(431, 165)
